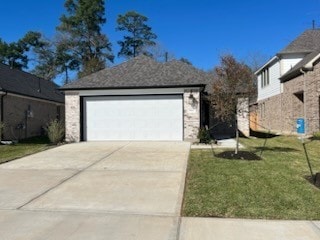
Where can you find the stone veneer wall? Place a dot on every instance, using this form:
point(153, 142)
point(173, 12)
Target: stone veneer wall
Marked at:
point(191, 114)
point(279, 113)
point(72, 116)
point(243, 116)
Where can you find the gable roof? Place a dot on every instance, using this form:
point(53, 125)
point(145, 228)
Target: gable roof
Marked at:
point(23, 83)
point(142, 72)
point(307, 42)
point(305, 64)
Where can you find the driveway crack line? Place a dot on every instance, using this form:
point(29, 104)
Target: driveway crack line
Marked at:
point(72, 176)
point(316, 227)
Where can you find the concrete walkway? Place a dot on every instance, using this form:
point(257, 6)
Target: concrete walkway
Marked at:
point(242, 229)
point(101, 190)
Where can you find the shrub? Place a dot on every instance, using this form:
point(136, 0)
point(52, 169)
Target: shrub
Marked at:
point(204, 135)
point(316, 136)
point(2, 126)
point(55, 131)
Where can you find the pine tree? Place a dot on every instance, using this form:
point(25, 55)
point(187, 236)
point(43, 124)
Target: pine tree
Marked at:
point(139, 35)
point(83, 40)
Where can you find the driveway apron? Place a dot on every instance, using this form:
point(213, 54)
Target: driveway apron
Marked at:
point(95, 190)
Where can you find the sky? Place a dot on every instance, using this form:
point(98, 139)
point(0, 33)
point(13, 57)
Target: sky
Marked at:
point(199, 30)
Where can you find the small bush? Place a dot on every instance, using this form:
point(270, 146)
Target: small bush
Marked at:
point(55, 131)
point(2, 126)
point(316, 136)
point(204, 136)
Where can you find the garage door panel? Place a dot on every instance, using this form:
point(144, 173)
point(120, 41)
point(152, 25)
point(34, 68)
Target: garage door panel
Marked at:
point(157, 117)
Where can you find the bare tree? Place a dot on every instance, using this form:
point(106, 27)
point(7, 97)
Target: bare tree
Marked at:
point(159, 52)
point(232, 81)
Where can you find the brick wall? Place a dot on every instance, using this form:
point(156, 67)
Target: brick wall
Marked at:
point(20, 124)
point(279, 113)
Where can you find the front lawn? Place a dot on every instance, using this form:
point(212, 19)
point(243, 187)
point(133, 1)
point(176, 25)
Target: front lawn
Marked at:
point(275, 187)
point(23, 148)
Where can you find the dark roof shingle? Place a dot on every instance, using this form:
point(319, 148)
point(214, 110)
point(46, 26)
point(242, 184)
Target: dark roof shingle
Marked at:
point(307, 42)
point(142, 71)
point(23, 83)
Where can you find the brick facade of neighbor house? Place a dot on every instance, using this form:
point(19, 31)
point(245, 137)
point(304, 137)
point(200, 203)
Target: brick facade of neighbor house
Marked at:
point(26, 117)
point(72, 115)
point(279, 113)
point(289, 87)
point(27, 103)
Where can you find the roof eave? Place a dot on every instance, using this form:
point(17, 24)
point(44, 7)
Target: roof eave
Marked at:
point(272, 60)
point(30, 96)
point(131, 87)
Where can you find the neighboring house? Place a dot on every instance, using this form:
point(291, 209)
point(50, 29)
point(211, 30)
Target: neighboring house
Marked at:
point(27, 103)
point(140, 99)
point(289, 87)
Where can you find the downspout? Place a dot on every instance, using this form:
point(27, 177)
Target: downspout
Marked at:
point(2, 106)
point(1, 110)
point(304, 100)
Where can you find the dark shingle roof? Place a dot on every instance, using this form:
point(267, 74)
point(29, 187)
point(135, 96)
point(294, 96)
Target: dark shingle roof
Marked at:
point(23, 83)
point(307, 42)
point(140, 72)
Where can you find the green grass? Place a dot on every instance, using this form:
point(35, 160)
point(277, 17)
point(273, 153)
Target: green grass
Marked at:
point(275, 187)
point(23, 148)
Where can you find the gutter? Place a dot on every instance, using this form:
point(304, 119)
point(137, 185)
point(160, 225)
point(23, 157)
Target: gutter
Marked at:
point(131, 87)
point(309, 65)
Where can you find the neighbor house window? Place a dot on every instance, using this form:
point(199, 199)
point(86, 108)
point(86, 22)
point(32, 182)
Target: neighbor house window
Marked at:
point(265, 80)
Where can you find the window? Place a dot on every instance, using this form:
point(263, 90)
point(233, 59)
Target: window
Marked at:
point(265, 80)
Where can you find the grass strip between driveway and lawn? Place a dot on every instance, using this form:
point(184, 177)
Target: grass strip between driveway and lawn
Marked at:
point(23, 148)
point(275, 187)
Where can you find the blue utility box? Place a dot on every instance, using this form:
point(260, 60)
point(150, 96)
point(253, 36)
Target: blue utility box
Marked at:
point(300, 126)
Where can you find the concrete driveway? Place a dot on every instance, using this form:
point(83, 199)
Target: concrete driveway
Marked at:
point(95, 190)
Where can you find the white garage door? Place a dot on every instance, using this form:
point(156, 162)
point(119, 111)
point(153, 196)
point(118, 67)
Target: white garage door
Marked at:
point(156, 117)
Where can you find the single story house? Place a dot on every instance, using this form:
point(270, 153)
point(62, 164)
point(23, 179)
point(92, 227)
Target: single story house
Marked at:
point(289, 87)
point(27, 103)
point(140, 99)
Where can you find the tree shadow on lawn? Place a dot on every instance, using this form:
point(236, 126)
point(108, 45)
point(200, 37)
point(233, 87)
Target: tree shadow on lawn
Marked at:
point(242, 155)
point(258, 134)
point(314, 179)
point(277, 149)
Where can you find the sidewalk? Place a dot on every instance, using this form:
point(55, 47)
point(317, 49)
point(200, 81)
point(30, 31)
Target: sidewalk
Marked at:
point(245, 229)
